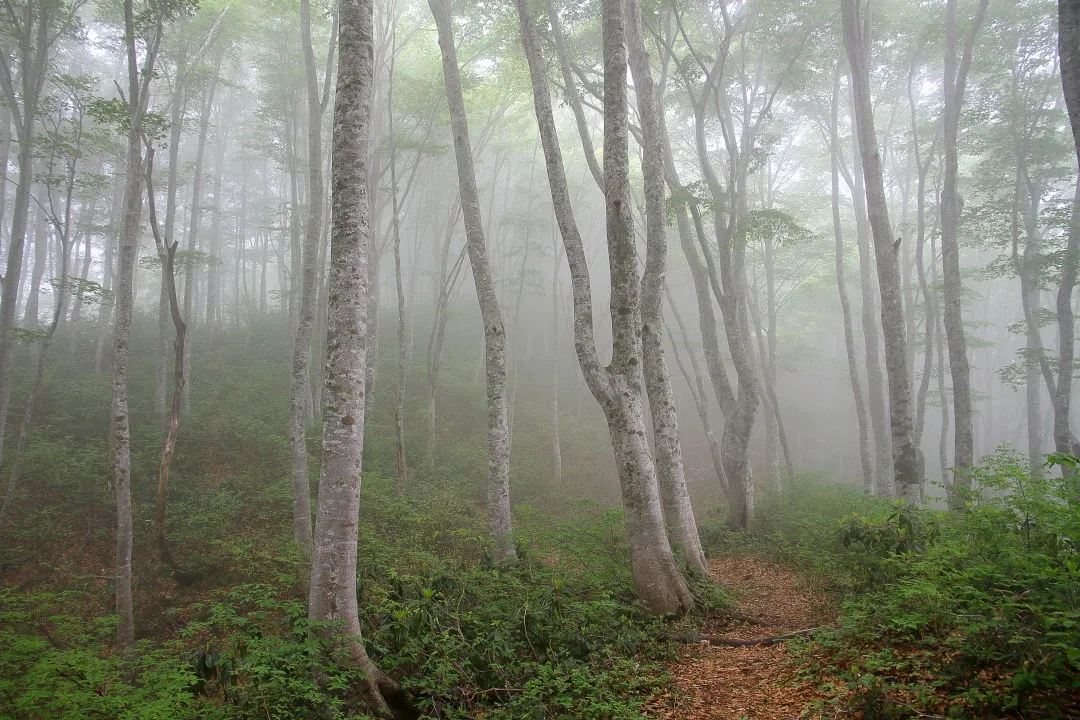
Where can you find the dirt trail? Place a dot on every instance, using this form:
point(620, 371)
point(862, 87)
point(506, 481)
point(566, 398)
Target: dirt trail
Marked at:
point(756, 682)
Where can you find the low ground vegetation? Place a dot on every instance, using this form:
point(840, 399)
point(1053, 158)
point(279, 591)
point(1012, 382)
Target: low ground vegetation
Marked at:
point(965, 614)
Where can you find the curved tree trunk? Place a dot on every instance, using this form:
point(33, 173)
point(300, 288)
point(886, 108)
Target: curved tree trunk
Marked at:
point(617, 387)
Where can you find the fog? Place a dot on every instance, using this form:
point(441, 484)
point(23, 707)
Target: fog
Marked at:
point(230, 125)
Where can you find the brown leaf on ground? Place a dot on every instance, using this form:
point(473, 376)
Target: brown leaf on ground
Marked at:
point(757, 682)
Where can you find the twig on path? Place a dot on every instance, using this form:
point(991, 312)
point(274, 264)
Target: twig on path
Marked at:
point(763, 641)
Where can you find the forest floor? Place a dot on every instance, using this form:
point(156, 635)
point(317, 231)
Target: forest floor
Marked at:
point(758, 682)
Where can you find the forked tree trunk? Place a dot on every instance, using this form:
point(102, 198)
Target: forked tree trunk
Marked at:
point(166, 250)
point(905, 463)
point(671, 474)
point(498, 427)
point(332, 591)
point(617, 387)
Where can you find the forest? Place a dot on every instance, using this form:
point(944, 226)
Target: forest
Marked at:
point(540, 360)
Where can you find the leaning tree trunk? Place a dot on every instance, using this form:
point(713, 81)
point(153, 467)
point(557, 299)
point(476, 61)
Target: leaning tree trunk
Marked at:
point(166, 250)
point(617, 387)
point(671, 474)
point(499, 525)
point(332, 591)
point(905, 463)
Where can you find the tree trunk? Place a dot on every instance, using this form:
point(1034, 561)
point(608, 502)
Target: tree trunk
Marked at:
point(120, 429)
point(332, 591)
point(905, 463)
point(671, 475)
point(299, 386)
point(166, 250)
point(959, 366)
point(617, 387)
point(399, 395)
point(696, 384)
point(875, 383)
point(499, 525)
point(1069, 52)
point(865, 460)
point(553, 412)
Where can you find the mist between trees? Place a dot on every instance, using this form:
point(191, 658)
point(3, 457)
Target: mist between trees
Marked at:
point(714, 246)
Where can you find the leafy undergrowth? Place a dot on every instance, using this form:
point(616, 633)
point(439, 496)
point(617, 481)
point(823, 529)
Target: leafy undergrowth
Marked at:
point(952, 615)
point(557, 635)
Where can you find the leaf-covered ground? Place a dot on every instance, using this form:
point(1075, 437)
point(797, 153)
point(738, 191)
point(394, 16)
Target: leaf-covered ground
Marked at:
point(757, 682)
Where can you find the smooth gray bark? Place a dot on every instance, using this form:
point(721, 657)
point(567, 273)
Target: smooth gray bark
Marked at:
point(138, 78)
point(498, 428)
point(617, 387)
point(905, 463)
point(671, 475)
point(1069, 53)
point(332, 591)
point(956, 71)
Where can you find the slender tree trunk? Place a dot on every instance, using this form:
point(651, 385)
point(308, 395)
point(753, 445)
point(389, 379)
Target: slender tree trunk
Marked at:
point(697, 388)
point(125, 297)
point(959, 366)
point(175, 133)
point(499, 525)
point(399, 396)
point(1069, 52)
point(299, 386)
point(865, 460)
point(905, 463)
point(553, 412)
point(166, 250)
point(942, 390)
point(875, 382)
point(447, 279)
point(30, 311)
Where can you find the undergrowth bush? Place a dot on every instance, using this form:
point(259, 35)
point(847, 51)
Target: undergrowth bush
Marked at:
point(960, 614)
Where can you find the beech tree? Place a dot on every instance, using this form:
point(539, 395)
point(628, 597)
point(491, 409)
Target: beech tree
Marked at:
point(956, 71)
point(332, 591)
point(1069, 52)
point(618, 386)
point(498, 425)
point(856, 29)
